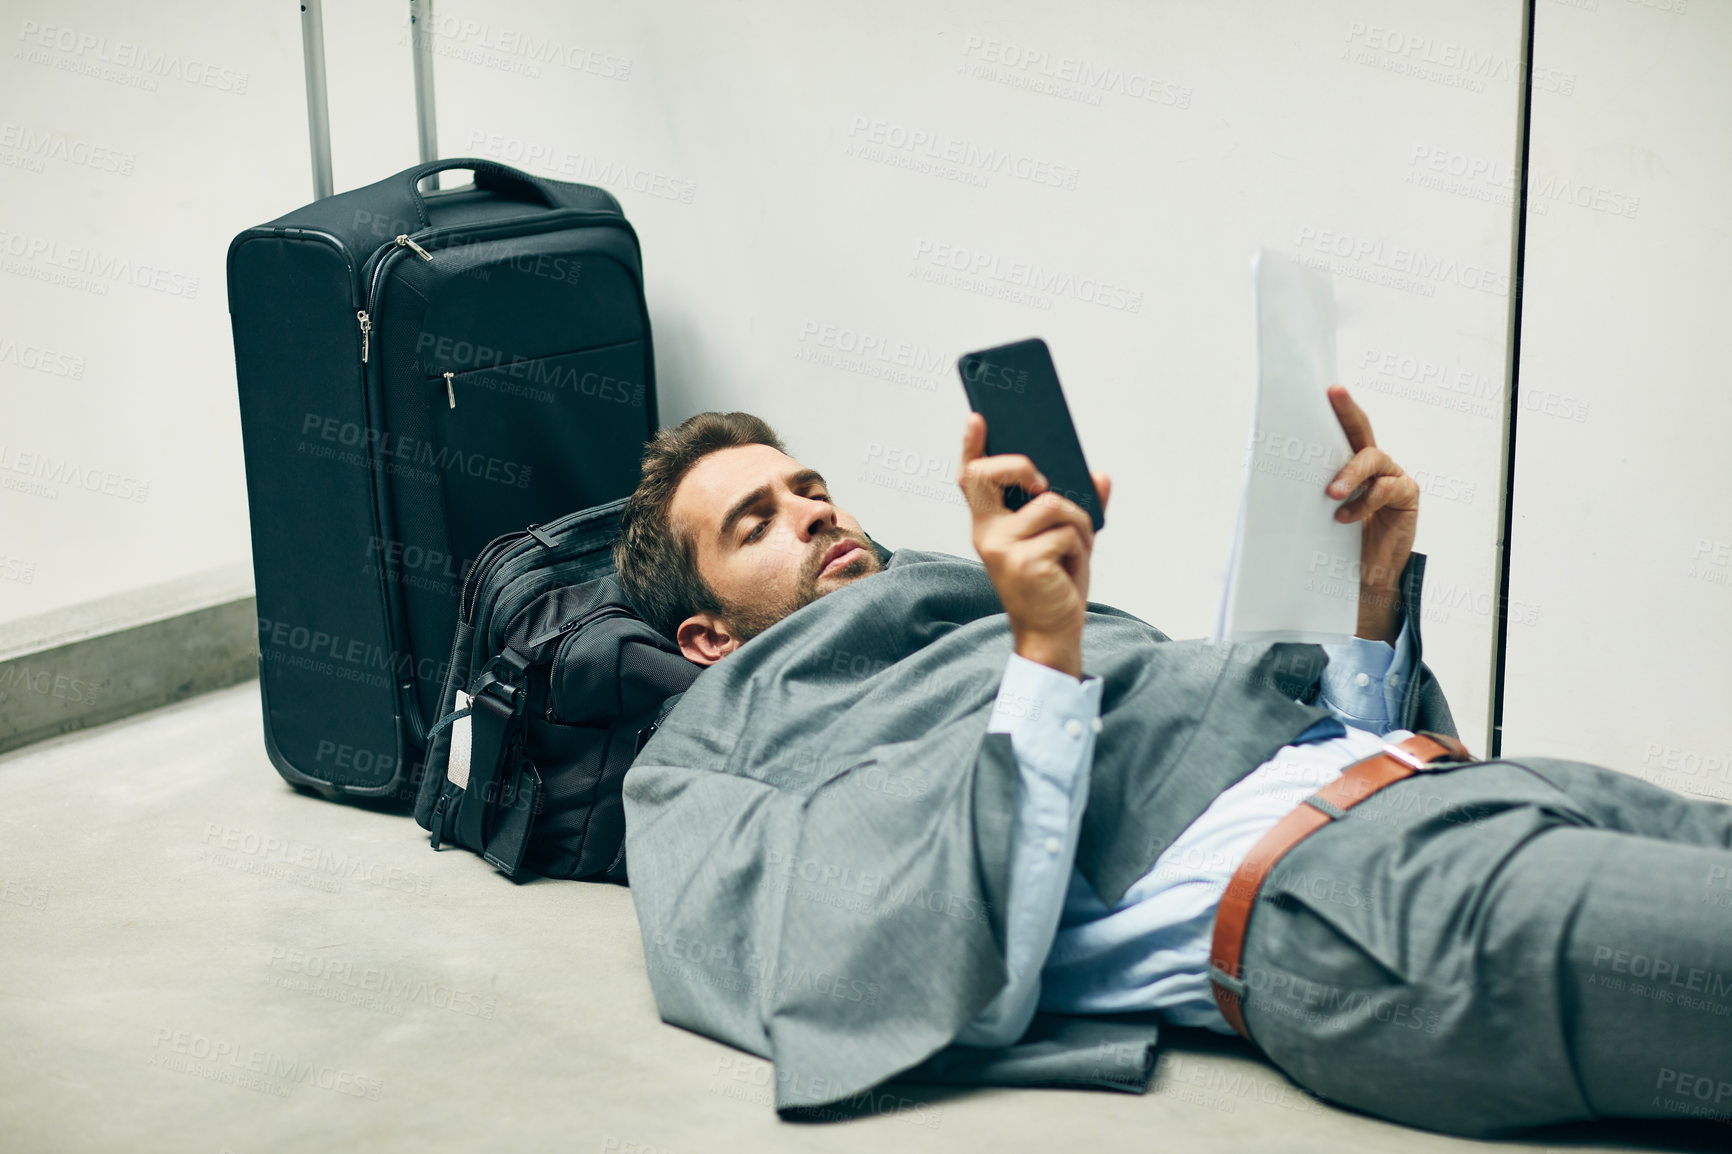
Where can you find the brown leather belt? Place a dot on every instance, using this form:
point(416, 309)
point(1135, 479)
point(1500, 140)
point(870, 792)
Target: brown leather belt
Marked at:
point(1360, 781)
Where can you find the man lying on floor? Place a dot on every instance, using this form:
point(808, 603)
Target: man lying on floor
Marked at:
point(928, 819)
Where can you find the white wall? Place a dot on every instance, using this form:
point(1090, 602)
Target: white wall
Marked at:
point(135, 140)
point(754, 146)
point(1131, 156)
point(1622, 544)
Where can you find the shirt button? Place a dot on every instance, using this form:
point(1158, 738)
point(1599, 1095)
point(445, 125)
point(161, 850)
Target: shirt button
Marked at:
point(1362, 680)
point(1073, 727)
point(1392, 680)
point(1053, 845)
point(1095, 724)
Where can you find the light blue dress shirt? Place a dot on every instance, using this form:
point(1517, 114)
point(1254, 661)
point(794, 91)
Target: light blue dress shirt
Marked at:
point(1065, 950)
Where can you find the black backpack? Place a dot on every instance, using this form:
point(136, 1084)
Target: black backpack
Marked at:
point(556, 682)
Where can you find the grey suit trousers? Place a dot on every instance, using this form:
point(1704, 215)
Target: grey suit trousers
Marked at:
point(1500, 945)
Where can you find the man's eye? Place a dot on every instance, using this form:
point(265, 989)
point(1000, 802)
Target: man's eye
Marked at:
point(753, 535)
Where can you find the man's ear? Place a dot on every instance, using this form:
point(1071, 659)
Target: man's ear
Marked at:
point(705, 638)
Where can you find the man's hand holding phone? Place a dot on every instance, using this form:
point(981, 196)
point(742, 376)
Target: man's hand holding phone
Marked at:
point(1037, 556)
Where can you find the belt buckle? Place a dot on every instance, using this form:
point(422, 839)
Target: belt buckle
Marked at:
point(1454, 754)
point(1411, 761)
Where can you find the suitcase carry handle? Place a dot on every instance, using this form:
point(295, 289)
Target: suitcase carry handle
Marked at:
point(489, 175)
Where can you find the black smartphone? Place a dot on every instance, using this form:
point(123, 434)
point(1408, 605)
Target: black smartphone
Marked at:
point(1015, 387)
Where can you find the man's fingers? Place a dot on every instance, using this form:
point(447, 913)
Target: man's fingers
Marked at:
point(1046, 511)
point(984, 479)
point(1000, 470)
point(973, 437)
point(1061, 544)
point(1103, 486)
point(1353, 420)
point(1364, 465)
point(1399, 492)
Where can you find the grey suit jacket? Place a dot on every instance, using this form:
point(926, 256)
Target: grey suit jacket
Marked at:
point(819, 832)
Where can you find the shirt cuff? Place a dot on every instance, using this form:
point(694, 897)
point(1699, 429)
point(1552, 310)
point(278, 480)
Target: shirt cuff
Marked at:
point(1365, 680)
point(1047, 714)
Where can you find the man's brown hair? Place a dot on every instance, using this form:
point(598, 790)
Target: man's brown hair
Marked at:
point(656, 565)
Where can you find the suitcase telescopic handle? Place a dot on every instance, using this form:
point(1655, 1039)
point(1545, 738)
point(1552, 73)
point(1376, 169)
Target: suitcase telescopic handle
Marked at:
point(489, 175)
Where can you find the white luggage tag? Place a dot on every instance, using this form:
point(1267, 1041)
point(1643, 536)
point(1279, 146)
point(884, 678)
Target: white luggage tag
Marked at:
point(457, 766)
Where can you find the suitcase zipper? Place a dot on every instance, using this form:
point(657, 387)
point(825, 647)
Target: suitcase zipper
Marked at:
point(403, 239)
point(450, 394)
point(381, 258)
point(366, 332)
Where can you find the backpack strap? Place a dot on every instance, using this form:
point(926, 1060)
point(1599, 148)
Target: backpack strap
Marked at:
point(494, 709)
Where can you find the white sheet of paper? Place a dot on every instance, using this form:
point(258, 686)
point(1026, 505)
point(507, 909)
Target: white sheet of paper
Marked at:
point(1294, 570)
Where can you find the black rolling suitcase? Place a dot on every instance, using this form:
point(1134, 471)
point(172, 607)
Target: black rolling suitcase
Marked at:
point(419, 372)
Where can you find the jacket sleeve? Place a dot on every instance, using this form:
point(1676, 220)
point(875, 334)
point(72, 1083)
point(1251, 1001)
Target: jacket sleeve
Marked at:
point(704, 850)
point(1423, 705)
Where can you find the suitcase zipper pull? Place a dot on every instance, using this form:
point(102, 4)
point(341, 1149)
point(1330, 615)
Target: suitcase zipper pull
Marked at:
point(450, 394)
point(403, 239)
point(366, 329)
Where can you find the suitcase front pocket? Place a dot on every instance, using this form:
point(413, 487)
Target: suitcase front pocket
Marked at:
point(530, 440)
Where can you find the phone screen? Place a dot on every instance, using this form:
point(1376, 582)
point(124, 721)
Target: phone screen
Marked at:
point(1015, 387)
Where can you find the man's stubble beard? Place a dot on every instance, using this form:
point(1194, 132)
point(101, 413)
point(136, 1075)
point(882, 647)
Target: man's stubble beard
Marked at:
point(748, 621)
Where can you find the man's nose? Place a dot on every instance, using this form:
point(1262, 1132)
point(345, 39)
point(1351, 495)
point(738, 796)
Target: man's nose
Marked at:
point(816, 518)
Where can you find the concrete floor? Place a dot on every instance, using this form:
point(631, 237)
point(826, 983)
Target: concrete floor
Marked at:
point(195, 957)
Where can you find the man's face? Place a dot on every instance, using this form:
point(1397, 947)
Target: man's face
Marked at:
point(767, 539)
